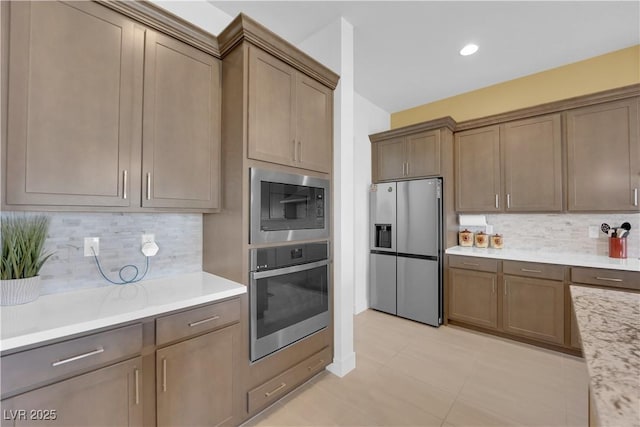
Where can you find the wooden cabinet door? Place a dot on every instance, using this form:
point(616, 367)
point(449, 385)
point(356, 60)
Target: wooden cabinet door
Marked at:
point(534, 308)
point(423, 154)
point(604, 157)
point(314, 130)
point(181, 128)
point(533, 164)
point(477, 170)
point(271, 122)
point(389, 159)
point(473, 297)
point(195, 380)
point(71, 72)
point(110, 396)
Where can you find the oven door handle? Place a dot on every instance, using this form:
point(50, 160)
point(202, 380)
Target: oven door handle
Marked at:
point(255, 275)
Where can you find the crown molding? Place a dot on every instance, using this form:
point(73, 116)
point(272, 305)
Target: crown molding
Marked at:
point(444, 122)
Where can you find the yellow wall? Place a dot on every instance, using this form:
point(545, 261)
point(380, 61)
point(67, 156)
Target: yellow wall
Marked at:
point(608, 71)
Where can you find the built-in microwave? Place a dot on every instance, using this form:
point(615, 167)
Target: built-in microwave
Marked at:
point(288, 207)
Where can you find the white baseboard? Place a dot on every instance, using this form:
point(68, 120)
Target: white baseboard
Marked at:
point(344, 366)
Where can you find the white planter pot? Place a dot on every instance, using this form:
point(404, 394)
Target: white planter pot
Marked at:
point(19, 291)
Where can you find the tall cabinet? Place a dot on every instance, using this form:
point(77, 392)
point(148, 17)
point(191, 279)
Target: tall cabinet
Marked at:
point(277, 114)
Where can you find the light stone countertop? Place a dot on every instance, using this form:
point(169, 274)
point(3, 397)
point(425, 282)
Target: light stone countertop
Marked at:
point(63, 314)
point(609, 325)
point(561, 258)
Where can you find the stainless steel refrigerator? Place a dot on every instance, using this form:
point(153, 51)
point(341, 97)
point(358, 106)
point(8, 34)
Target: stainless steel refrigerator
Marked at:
point(406, 249)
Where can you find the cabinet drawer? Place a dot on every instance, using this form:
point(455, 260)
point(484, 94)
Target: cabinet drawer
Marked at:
point(608, 278)
point(181, 325)
point(44, 364)
point(473, 263)
point(279, 386)
point(532, 269)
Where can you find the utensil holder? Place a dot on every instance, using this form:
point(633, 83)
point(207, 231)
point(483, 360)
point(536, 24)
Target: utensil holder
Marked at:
point(617, 247)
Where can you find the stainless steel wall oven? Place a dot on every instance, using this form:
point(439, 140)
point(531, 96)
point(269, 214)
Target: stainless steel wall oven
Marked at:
point(288, 295)
point(287, 207)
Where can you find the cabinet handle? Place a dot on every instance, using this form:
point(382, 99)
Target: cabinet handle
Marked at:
point(200, 322)
point(505, 287)
point(526, 270)
point(164, 374)
point(299, 151)
point(124, 184)
point(497, 202)
point(408, 169)
point(317, 365)
point(148, 185)
point(136, 374)
point(508, 201)
point(275, 390)
point(81, 356)
point(493, 288)
point(635, 197)
point(471, 264)
point(608, 279)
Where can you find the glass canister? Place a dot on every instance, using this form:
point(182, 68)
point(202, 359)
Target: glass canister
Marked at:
point(465, 238)
point(482, 240)
point(497, 241)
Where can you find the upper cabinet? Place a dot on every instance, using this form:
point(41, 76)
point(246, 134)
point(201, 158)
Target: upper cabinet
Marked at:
point(85, 83)
point(412, 152)
point(512, 167)
point(181, 125)
point(290, 115)
point(70, 105)
point(603, 153)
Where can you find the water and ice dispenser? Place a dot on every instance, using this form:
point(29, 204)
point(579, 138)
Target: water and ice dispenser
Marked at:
point(383, 235)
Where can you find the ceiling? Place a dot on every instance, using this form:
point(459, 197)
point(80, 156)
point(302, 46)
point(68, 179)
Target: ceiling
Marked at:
point(406, 52)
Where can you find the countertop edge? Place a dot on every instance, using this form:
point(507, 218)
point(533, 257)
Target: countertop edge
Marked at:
point(568, 259)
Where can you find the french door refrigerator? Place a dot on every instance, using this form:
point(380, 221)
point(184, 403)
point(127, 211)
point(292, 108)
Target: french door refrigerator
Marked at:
point(406, 249)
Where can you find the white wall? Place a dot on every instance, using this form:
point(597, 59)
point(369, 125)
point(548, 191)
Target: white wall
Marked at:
point(198, 12)
point(369, 118)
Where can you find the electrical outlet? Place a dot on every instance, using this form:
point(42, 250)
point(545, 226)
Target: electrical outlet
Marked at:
point(148, 238)
point(89, 243)
point(594, 231)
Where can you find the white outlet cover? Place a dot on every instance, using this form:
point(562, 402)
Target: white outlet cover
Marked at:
point(148, 238)
point(91, 242)
point(594, 231)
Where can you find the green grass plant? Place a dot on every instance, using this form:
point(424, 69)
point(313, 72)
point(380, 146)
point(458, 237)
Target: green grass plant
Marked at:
point(22, 243)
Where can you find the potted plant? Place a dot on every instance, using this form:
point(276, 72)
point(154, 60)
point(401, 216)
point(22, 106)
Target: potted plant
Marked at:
point(22, 257)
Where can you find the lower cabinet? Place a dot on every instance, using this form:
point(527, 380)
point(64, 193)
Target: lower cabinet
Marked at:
point(195, 380)
point(473, 297)
point(534, 308)
point(109, 396)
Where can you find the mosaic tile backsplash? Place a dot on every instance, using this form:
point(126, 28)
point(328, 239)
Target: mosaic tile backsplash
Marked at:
point(564, 232)
point(179, 237)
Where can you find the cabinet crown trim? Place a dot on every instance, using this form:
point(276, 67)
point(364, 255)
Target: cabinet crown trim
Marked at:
point(166, 22)
point(444, 122)
point(243, 28)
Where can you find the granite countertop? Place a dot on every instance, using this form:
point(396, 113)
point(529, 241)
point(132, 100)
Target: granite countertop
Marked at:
point(609, 325)
point(560, 258)
point(59, 315)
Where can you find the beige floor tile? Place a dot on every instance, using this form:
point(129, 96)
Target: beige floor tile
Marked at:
point(412, 374)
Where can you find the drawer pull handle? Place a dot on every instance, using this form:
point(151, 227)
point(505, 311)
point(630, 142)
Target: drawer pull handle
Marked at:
point(200, 322)
point(275, 390)
point(136, 374)
point(471, 264)
point(608, 279)
point(81, 356)
point(526, 270)
point(316, 366)
point(164, 374)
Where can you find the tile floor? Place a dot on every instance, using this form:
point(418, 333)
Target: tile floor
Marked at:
point(409, 374)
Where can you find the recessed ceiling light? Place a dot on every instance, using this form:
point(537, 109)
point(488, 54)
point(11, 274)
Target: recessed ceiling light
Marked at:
point(469, 49)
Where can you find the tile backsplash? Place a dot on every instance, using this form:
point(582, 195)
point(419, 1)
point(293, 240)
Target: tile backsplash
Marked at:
point(564, 232)
point(179, 237)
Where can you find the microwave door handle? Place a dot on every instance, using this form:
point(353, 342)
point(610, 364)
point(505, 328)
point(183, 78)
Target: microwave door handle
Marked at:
point(287, 270)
